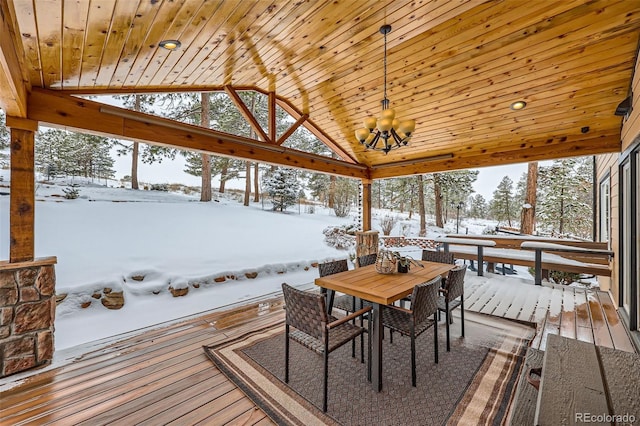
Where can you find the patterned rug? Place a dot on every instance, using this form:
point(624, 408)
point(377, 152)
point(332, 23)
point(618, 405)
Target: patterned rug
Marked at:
point(472, 384)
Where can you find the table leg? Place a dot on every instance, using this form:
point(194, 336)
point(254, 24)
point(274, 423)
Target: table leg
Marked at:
point(376, 342)
point(480, 261)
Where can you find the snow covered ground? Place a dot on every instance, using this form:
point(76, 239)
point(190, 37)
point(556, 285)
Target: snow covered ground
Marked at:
point(110, 237)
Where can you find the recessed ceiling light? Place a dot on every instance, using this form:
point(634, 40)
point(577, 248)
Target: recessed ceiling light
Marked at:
point(518, 105)
point(170, 44)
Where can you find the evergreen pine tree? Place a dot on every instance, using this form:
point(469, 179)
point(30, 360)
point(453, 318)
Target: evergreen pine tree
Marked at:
point(346, 194)
point(282, 186)
point(477, 207)
point(565, 201)
point(59, 152)
point(318, 184)
point(502, 206)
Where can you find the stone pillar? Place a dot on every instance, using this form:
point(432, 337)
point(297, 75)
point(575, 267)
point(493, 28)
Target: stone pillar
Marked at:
point(366, 243)
point(27, 314)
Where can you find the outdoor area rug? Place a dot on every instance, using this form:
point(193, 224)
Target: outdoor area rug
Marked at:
point(472, 384)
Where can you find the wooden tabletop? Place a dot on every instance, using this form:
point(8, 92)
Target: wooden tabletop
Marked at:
point(366, 283)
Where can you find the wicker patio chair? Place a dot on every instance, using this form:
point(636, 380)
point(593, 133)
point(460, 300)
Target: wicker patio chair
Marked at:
point(343, 302)
point(453, 296)
point(437, 256)
point(316, 330)
point(367, 259)
point(413, 322)
point(433, 256)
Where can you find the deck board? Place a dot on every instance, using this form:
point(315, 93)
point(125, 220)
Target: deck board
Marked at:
point(519, 301)
point(544, 299)
point(584, 332)
point(551, 326)
point(601, 334)
point(486, 296)
point(568, 315)
point(619, 335)
point(503, 302)
point(529, 307)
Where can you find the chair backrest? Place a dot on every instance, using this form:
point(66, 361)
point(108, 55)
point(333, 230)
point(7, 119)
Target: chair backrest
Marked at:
point(367, 259)
point(305, 311)
point(424, 300)
point(437, 256)
point(455, 282)
point(330, 268)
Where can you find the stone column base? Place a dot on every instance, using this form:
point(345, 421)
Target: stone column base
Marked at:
point(27, 314)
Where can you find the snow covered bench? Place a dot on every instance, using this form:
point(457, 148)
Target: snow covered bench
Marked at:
point(555, 254)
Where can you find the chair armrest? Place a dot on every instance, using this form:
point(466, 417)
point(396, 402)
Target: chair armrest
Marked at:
point(444, 291)
point(348, 317)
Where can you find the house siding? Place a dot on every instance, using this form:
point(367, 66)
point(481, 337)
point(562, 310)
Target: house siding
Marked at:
point(607, 164)
point(631, 125)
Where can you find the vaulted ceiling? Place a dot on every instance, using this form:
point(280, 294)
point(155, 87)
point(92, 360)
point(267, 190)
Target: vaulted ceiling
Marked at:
point(453, 66)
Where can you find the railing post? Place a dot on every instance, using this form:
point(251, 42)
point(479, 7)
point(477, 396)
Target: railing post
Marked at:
point(538, 279)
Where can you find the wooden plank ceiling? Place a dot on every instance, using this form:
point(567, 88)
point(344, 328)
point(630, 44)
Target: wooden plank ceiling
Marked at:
point(454, 66)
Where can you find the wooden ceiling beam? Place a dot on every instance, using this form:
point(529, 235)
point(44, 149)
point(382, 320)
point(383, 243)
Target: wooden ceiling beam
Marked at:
point(292, 129)
point(13, 86)
point(316, 130)
point(60, 110)
point(541, 150)
point(248, 115)
point(271, 99)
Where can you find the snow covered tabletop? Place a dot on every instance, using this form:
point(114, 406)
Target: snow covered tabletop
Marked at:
point(465, 241)
point(533, 245)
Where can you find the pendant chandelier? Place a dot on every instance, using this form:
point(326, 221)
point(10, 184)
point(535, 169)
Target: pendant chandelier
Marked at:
point(387, 130)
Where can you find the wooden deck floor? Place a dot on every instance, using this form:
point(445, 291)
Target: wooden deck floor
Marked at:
point(572, 312)
point(158, 377)
point(162, 376)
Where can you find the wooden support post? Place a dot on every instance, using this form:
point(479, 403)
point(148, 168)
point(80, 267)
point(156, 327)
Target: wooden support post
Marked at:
point(481, 261)
point(366, 204)
point(538, 267)
point(22, 199)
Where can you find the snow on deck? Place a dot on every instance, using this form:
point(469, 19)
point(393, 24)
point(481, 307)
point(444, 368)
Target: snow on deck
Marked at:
point(570, 311)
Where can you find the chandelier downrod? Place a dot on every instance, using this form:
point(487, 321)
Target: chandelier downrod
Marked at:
point(393, 132)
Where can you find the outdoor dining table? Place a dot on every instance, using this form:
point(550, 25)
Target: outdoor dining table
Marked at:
point(380, 289)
